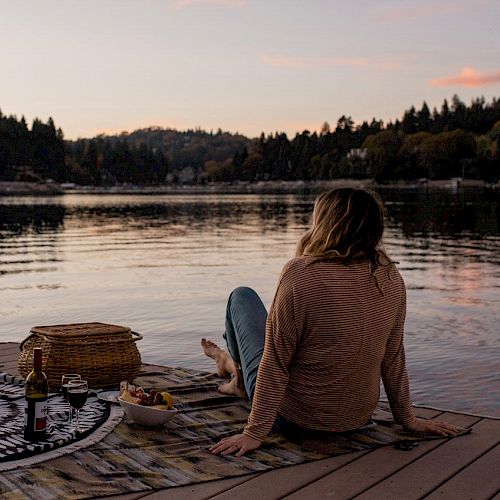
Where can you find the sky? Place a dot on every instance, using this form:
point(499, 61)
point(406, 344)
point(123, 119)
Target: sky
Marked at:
point(248, 66)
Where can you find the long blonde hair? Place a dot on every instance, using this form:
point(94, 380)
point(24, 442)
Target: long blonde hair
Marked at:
point(347, 226)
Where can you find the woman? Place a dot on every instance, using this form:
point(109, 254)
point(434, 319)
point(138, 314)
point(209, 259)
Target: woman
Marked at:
point(334, 328)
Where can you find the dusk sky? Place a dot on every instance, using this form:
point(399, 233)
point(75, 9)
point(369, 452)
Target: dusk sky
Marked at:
point(104, 66)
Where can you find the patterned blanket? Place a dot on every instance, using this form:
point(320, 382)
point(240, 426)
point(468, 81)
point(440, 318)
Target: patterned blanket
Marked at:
point(96, 420)
point(134, 458)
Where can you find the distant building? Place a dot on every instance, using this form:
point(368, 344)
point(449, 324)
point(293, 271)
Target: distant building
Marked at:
point(186, 175)
point(359, 153)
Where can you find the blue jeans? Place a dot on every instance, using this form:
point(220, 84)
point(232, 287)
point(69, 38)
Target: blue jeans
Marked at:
point(245, 333)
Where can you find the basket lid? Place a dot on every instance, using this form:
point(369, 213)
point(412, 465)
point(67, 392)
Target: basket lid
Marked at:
point(80, 330)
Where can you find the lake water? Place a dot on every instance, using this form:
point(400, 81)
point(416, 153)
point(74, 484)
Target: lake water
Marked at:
point(165, 264)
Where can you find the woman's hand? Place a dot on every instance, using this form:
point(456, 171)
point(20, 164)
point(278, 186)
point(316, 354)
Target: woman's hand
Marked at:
point(239, 443)
point(433, 427)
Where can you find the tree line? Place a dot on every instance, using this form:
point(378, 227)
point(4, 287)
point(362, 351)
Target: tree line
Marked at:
point(456, 140)
point(31, 154)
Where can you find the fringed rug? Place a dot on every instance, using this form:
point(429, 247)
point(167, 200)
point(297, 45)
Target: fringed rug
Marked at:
point(96, 420)
point(134, 458)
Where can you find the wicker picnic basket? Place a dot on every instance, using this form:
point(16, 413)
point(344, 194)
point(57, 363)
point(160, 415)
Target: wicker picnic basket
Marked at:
point(102, 354)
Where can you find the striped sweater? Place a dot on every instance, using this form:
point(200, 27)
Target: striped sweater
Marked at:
point(332, 332)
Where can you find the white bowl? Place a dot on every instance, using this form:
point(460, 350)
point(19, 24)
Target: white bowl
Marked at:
point(147, 415)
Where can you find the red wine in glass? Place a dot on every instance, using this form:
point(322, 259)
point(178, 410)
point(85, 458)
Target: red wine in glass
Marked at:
point(66, 379)
point(77, 397)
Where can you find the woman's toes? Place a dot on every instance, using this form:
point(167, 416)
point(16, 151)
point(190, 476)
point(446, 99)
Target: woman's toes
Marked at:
point(207, 347)
point(205, 343)
point(233, 388)
point(226, 389)
point(222, 359)
point(208, 344)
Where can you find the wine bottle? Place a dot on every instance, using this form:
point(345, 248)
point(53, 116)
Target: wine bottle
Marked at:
point(35, 410)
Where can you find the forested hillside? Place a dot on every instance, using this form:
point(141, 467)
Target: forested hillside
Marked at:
point(455, 141)
point(148, 155)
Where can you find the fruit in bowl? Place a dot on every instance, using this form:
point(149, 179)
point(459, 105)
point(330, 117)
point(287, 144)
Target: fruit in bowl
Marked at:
point(130, 393)
point(149, 408)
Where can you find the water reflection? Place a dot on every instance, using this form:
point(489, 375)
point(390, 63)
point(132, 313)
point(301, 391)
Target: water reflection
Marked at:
point(18, 219)
point(196, 215)
point(443, 213)
point(415, 213)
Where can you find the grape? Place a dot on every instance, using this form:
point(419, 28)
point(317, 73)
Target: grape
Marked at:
point(153, 397)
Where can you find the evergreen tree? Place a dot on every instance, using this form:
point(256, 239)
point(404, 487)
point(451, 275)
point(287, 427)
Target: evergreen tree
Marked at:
point(424, 119)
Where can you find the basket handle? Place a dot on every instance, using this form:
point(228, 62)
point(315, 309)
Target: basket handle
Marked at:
point(118, 341)
point(138, 335)
point(26, 340)
point(113, 341)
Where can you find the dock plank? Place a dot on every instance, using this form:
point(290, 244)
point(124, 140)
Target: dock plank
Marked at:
point(359, 476)
point(286, 480)
point(128, 496)
point(199, 491)
point(9, 352)
point(427, 473)
point(10, 347)
point(280, 482)
point(480, 480)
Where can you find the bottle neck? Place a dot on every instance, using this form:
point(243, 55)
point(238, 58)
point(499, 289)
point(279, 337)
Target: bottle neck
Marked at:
point(37, 359)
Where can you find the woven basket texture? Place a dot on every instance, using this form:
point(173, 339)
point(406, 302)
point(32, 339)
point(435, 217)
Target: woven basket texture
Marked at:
point(102, 354)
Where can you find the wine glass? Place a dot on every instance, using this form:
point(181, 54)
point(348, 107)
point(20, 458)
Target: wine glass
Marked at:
point(77, 396)
point(64, 389)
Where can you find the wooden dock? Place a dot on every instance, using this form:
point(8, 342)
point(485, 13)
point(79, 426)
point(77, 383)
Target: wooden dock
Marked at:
point(464, 468)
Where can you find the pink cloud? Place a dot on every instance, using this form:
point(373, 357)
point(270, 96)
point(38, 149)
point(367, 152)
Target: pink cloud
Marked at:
point(388, 14)
point(468, 77)
point(294, 62)
point(183, 4)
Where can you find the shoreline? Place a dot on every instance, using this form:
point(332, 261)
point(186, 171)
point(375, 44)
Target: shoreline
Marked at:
point(263, 187)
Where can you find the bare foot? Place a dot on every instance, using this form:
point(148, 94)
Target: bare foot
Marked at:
point(235, 387)
point(223, 361)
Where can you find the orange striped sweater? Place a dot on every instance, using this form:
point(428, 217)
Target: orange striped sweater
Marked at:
point(331, 334)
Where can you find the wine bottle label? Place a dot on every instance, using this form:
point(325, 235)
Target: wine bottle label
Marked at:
point(35, 415)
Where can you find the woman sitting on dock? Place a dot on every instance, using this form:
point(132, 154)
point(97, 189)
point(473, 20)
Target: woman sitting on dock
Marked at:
point(335, 327)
